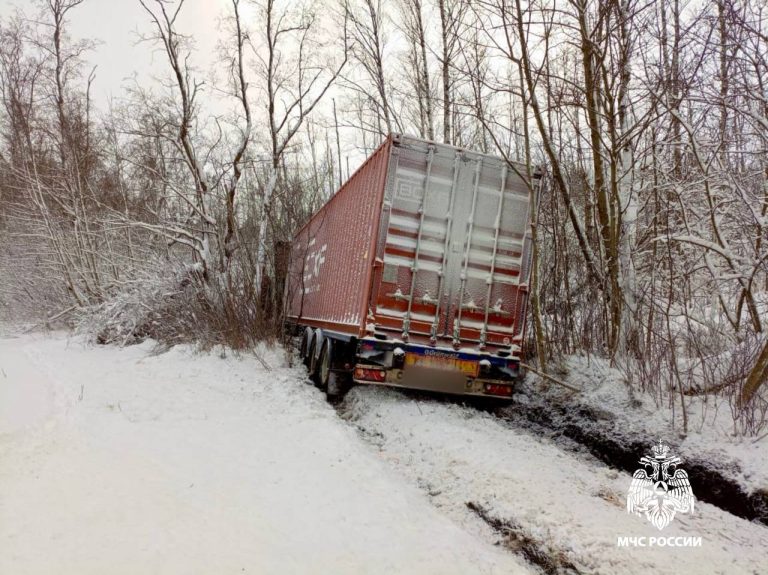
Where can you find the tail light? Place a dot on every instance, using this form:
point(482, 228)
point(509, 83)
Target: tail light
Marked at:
point(370, 374)
point(498, 389)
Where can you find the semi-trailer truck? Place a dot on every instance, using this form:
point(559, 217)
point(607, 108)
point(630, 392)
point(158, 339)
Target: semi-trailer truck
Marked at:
point(415, 273)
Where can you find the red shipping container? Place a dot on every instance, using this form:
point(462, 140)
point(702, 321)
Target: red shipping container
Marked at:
point(329, 275)
point(426, 244)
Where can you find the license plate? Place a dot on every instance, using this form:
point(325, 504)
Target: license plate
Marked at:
point(465, 366)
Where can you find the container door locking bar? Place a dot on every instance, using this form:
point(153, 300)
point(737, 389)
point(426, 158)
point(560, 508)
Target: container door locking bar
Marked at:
point(446, 244)
point(468, 247)
point(415, 266)
point(489, 281)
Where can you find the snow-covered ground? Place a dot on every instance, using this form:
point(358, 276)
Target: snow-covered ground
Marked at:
point(117, 461)
point(572, 507)
point(710, 436)
point(123, 461)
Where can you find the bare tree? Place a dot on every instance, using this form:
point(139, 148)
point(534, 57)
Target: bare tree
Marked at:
point(368, 45)
point(199, 228)
point(237, 73)
point(415, 33)
point(451, 17)
point(293, 88)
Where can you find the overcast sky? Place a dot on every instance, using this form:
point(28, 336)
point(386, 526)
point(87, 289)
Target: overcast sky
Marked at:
point(119, 56)
point(115, 25)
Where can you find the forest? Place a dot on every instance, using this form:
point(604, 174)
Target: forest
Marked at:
point(167, 214)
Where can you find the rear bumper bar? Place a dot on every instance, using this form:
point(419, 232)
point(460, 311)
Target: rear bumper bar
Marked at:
point(444, 370)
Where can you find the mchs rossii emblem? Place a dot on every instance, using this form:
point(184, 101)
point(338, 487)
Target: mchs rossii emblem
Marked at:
point(663, 493)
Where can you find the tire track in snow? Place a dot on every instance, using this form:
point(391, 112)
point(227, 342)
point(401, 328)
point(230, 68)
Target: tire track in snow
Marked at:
point(567, 506)
point(519, 541)
point(582, 425)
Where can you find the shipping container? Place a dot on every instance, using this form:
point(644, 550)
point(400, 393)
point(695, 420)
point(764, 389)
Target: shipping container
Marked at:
point(415, 273)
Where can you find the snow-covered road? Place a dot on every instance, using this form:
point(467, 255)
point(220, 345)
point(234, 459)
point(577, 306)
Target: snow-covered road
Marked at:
point(566, 506)
point(120, 461)
point(117, 461)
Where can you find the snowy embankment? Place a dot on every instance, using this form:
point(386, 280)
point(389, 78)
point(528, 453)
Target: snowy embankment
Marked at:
point(710, 422)
point(618, 426)
point(566, 507)
point(119, 461)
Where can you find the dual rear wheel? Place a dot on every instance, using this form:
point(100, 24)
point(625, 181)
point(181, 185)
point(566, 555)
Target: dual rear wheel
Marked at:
point(322, 364)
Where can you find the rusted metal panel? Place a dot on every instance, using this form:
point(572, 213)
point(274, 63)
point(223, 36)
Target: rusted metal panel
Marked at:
point(332, 256)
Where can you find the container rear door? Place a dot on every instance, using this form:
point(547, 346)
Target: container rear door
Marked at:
point(455, 251)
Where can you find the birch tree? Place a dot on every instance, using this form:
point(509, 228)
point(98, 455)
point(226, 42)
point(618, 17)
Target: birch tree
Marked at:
point(198, 230)
point(368, 39)
point(415, 33)
point(451, 17)
point(293, 85)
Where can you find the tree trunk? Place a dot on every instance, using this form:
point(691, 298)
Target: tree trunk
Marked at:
point(757, 376)
point(446, 64)
point(266, 210)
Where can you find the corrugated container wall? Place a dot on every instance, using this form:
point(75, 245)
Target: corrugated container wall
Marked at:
point(331, 258)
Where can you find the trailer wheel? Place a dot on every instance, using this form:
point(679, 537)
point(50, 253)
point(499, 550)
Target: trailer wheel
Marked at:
point(324, 373)
point(315, 349)
point(304, 349)
point(338, 385)
point(335, 382)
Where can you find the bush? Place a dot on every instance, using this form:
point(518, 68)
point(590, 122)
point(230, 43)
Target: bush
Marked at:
point(177, 304)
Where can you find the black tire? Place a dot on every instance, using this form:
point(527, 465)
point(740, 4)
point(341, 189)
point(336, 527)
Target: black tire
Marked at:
point(313, 361)
point(338, 385)
point(306, 341)
point(324, 365)
point(335, 382)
